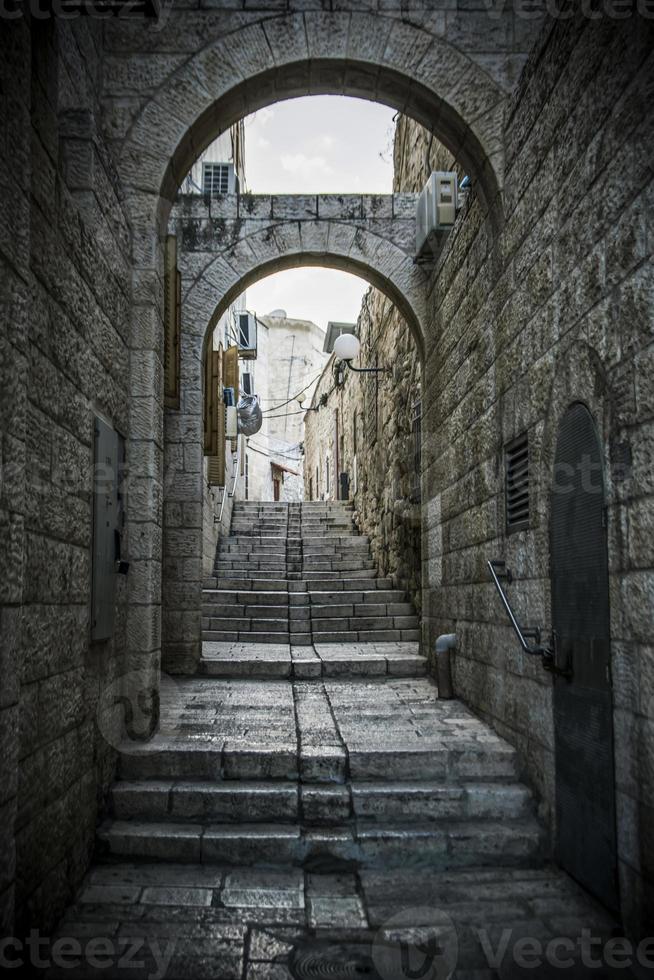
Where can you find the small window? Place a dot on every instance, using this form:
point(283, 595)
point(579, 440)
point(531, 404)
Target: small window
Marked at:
point(327, 474)
point(215, 179)
point(517, 484)
point(246, 383)
point(416, 437)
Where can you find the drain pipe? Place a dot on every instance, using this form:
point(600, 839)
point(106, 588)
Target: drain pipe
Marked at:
point(444, 644)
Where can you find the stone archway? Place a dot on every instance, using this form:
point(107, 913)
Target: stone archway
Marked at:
point(169, 90)
point(218, 259)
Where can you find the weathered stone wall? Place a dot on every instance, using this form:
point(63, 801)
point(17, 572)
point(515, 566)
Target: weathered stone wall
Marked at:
point(379, 456)
point(386, 490)
point(63, 357)
point(556, 307)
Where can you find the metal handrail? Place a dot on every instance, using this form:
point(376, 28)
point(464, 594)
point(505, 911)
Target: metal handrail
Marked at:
point(226, 493)
point(547, 653)
point(533, 651)
point(237, 468)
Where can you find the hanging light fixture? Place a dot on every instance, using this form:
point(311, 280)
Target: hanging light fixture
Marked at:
point(347, 347)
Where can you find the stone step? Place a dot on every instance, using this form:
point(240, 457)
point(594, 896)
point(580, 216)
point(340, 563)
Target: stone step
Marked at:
point(297, 634)
point(307, 567)
point(426, 760)
point(308, 544)
point(314, 581)
point(441, 846)
point(230, 597)
point(365, 615)
point(255, 661)
point(393, 601)
point(316, 804)
point(243, 584)
point(245, 636)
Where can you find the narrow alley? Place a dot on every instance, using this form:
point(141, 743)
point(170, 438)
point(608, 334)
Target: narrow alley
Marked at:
point(310, 805)
point(326, 489)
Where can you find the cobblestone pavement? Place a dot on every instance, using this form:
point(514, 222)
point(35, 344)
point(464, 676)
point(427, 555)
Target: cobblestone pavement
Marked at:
point(194, 922)
point(309, 807)
point(279, 829)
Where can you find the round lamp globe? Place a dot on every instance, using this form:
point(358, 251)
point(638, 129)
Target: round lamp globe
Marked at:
point(347, 347)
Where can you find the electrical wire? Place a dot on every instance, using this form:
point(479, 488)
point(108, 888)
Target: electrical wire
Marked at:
point(274, 408)
point(285, 414)
point(271, 456)
point(275, 452)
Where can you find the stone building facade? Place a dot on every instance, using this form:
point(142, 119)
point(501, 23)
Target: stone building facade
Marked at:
point(289, 360)
point(542, 298)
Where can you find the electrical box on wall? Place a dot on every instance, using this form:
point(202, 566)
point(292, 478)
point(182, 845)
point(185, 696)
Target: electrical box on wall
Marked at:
point(108, 519)
point(436, 209)
point(231, 422)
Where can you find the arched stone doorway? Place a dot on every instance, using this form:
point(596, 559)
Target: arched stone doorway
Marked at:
point(231, 66)
point(215, 269)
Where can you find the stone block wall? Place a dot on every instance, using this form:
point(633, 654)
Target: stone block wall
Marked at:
point(554, 305)
point(386, 490)
point(64, 282)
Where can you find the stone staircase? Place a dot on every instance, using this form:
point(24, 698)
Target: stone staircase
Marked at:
point(280, 816)
point(301, 574)
point(324, 775)
point(309, 764)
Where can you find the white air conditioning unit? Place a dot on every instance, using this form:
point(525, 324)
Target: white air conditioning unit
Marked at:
point(436, 210)
point(246, 335)
point(231, 422)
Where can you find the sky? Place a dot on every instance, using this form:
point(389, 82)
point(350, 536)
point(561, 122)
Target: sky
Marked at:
point(319, 144)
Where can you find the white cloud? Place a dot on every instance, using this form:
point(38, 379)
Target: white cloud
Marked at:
point(300, 163)
point(312, 145)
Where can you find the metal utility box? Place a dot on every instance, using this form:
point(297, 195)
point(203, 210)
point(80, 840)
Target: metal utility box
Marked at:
point(436, 209)
point(108, 519)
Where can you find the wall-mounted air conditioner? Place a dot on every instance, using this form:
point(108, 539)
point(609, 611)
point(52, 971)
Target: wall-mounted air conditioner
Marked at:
point(436, 211)
point(246, 335)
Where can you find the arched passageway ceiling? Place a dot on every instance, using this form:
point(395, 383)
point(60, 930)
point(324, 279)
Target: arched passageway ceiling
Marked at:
point(168, 93)
point(221, 254)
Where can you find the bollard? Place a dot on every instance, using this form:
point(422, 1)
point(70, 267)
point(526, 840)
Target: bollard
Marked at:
point(444, 644)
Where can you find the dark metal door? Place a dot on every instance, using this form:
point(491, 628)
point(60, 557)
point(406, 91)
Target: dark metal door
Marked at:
point(583, 707)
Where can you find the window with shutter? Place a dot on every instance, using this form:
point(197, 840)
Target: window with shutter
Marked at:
point(214, 370)
point(230, 376)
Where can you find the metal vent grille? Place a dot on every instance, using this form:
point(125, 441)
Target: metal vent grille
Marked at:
point(517, 484)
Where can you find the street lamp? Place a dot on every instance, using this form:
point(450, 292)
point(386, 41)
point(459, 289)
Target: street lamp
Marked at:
point(347, 347)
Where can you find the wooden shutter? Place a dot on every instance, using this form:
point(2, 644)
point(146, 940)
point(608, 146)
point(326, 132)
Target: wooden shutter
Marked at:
point(172, 323)
point(213, 397)
point(230, 377)
point(216, 463)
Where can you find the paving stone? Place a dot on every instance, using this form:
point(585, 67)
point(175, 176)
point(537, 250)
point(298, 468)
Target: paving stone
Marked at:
point(157, 895)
